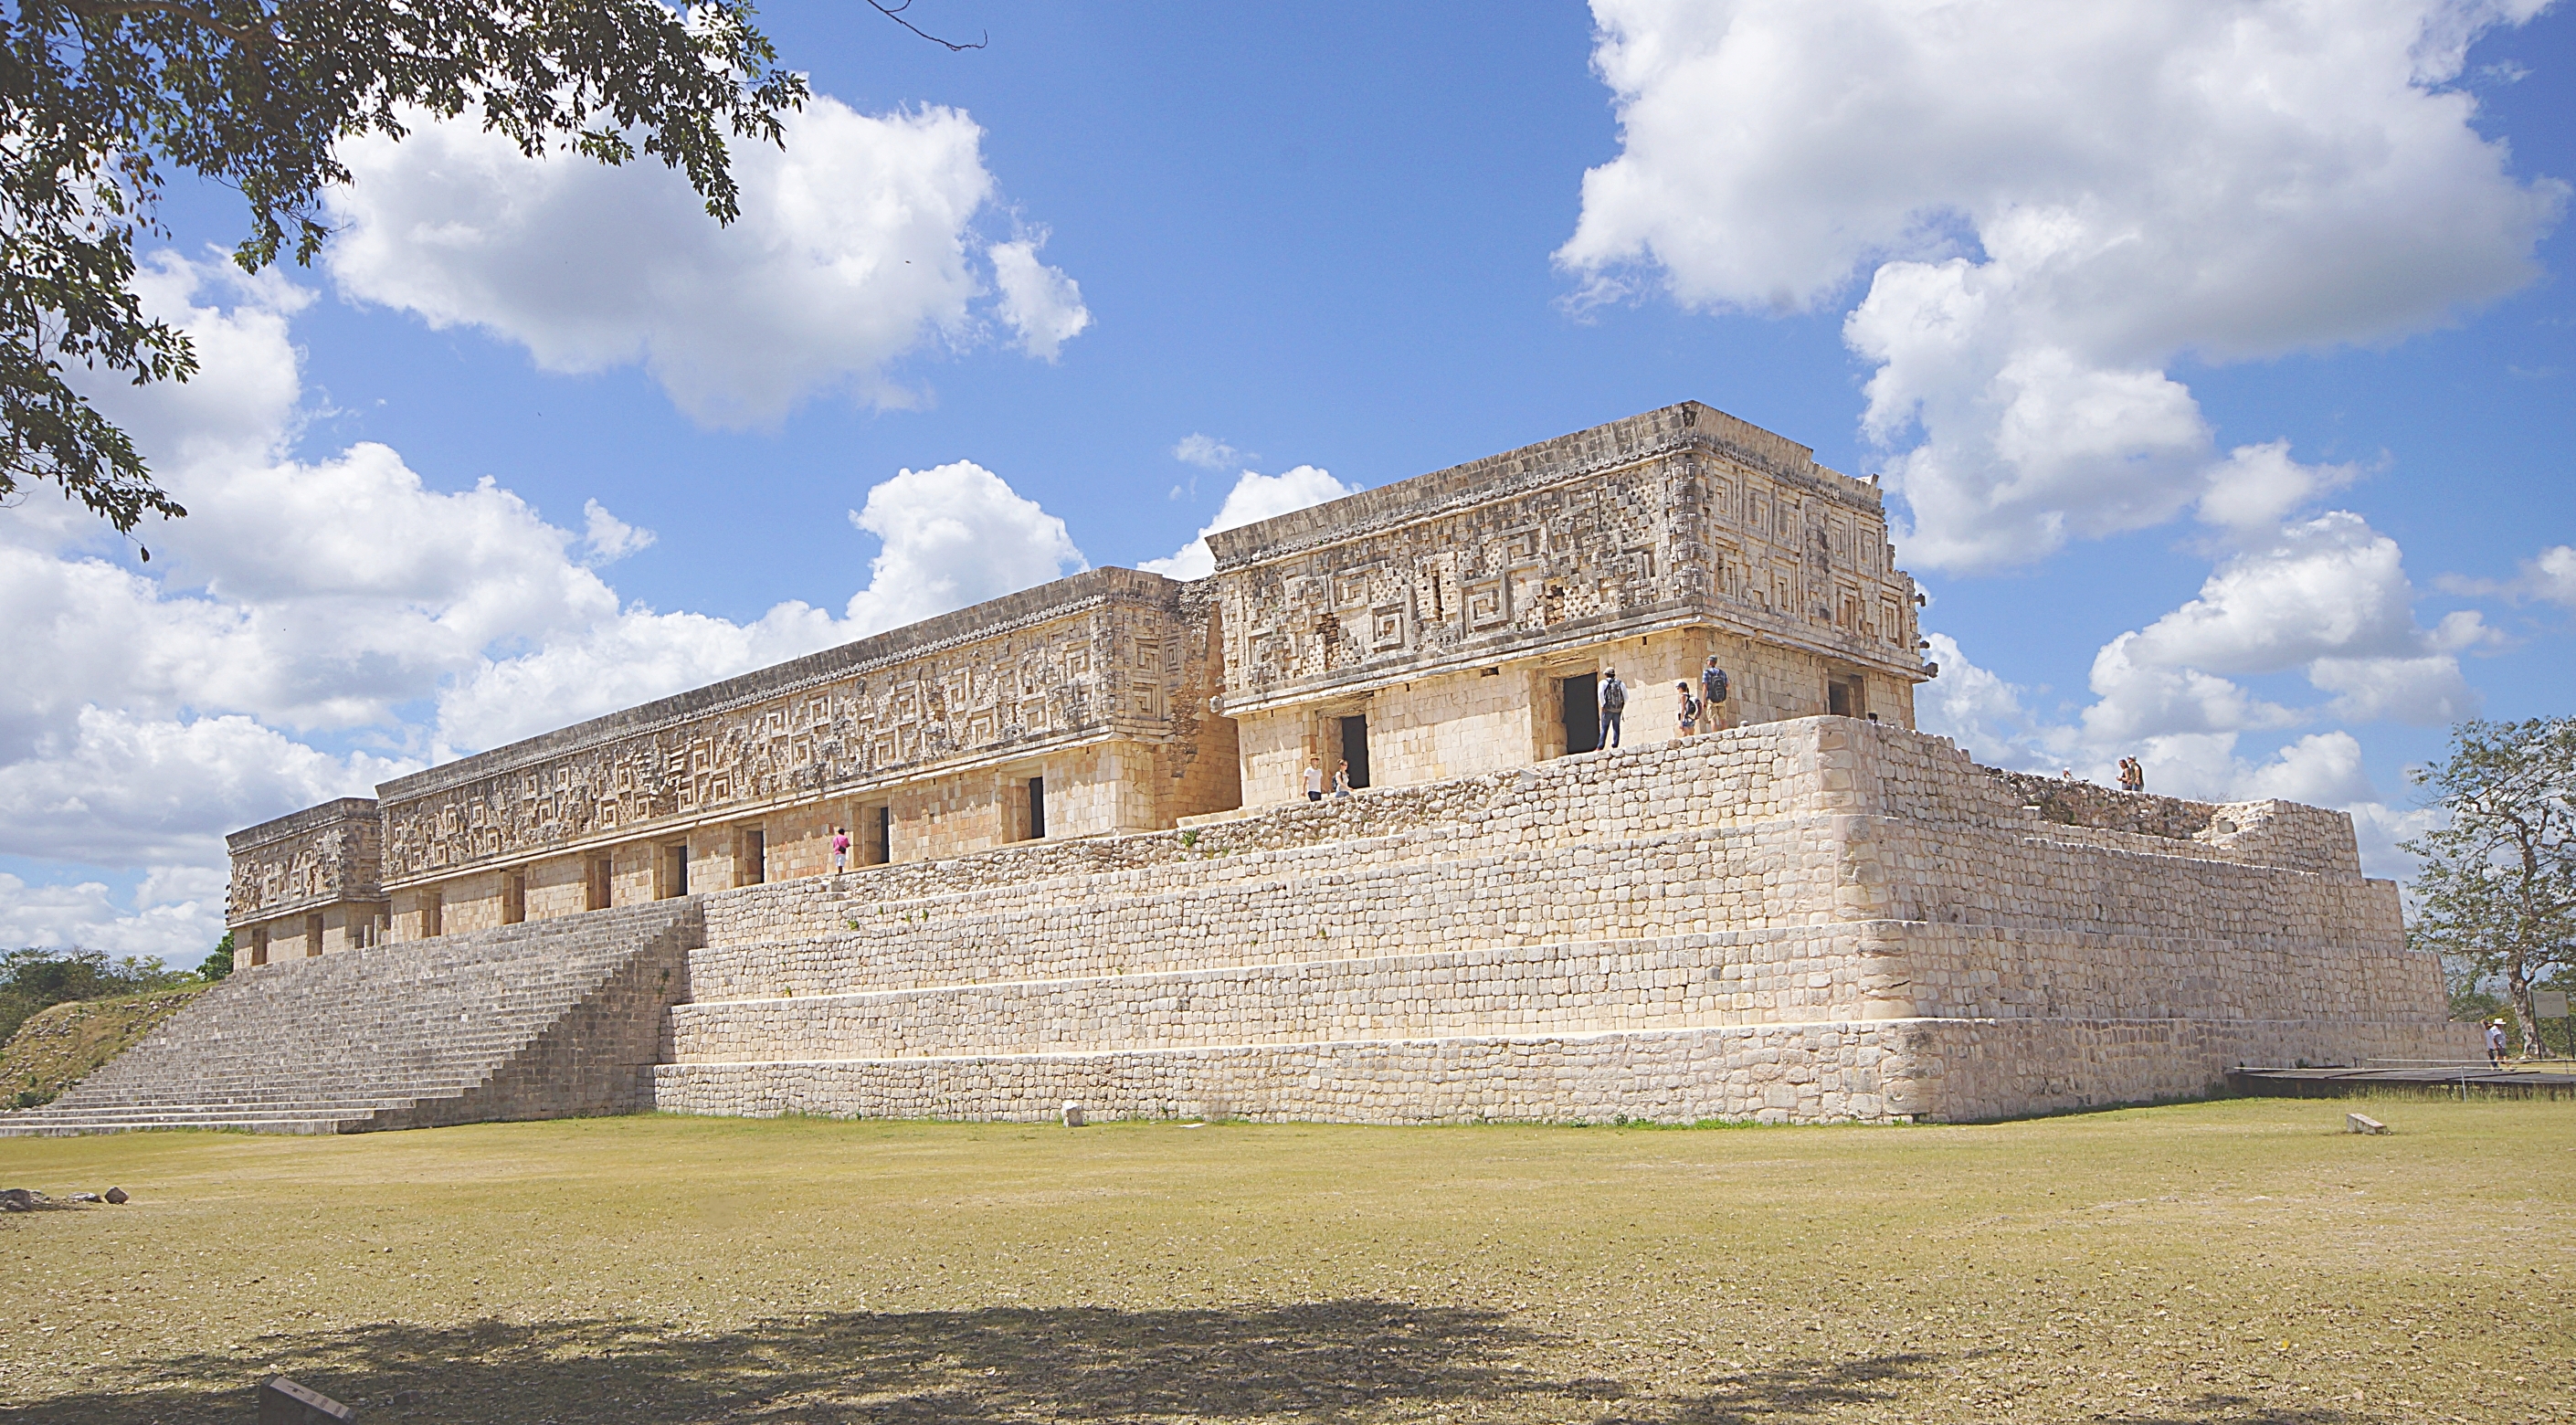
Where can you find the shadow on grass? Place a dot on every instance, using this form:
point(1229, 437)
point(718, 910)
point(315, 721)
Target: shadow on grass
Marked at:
point(1337, 1361)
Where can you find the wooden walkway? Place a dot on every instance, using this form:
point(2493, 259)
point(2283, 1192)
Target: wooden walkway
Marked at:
point(2548, 1079)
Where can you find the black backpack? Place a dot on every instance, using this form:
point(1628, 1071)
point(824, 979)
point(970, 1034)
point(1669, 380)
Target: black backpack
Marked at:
point(1713, 683)
point(1614, 696)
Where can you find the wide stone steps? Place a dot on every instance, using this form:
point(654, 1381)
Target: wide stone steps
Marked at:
point(532, 1020)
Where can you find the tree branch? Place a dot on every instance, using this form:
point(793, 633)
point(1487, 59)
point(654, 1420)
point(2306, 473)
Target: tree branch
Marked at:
point(895, 13)
point(119, 9)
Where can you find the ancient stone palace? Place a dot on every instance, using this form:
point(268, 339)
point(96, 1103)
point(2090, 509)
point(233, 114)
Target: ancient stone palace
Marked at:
point(1085, 864)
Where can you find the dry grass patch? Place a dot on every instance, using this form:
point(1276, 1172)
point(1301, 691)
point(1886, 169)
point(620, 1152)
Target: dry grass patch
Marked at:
point(59, 1045)
point(2226, 1262)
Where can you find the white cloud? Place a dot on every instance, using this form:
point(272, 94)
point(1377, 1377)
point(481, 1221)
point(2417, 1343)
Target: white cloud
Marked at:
point(2548, 578)
point(176, 701)
point(1253, 499)
point(1042, 304)
point(855, 246)
point(176, 914)
point(114, 789)
point(1207, 453)
point(956, 534)
point(952, 536)
point(609, 538)
point(2049, 206)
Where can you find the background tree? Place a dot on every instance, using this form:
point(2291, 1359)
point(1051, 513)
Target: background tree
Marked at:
point(31, 980)
point(2497, 892)
point(98, 98)
point(219, 962)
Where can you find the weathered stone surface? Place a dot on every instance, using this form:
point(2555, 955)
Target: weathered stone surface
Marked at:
point(1084, 870)
point(118, 1196)
point(283, 1402)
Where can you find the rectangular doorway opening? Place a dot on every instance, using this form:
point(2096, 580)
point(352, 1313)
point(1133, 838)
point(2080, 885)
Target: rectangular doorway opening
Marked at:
point(433, 915)
point(1355, 749)
point(675, 870)
point(1844, 697)
point(312, 936)
point(595, 884)
point(1037, 808)
point(880, 824)
point(754, 852)
point(1582, 713)
point(514, 898)
point(259, 946)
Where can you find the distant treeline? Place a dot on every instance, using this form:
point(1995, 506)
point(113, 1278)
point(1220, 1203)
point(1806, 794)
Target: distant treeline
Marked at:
point(31, 980)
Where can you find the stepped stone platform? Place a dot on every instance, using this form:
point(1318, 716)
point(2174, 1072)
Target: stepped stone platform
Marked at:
point(548, 1019)
point(1817, 919)
point(1808, 920)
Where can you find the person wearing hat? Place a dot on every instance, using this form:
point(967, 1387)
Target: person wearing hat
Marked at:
point(2495, 1043)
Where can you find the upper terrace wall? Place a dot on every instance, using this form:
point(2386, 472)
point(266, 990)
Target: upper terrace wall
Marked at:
point(1680, 517)
point(1109, 655)
point(1815, 822)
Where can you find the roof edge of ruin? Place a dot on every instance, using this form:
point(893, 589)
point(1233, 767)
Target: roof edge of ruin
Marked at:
point(1614, 443)
point(911, 640)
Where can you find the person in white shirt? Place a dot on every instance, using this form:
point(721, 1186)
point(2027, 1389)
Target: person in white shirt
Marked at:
point(1314, 782)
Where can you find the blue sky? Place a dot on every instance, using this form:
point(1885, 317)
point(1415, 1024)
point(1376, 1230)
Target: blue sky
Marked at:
point(2095, 263)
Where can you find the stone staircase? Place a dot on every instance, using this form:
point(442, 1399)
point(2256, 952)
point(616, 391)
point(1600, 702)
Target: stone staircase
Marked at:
point(547, 1019)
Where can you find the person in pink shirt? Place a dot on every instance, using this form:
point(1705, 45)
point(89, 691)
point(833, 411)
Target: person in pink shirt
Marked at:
point(840, 849)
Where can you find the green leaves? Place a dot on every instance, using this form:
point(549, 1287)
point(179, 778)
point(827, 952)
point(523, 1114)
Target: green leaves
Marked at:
point(95, 95)
point(2497, 894)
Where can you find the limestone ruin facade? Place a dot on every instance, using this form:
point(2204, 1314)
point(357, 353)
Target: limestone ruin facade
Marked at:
point(1087, 870)
point(1440, 627)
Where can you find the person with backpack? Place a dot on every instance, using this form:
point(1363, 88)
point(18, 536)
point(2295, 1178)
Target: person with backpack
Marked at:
point(1690, 709)
point(840, 849)
point(1712, 693)
point(1614, 704)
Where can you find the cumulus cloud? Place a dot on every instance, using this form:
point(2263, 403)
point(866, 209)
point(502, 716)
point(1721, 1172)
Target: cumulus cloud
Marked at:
point(2548, 578)
point(609, 538)
point(2119, 184)
point(176, 914)
point(1254, 498)
point(1042, 304)
point(175, 702)
point(855, 246)
point(956, 534)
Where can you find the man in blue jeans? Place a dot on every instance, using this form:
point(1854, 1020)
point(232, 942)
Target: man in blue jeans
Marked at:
point(1614, 701)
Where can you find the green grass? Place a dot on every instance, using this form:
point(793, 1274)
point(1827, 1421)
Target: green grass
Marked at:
point(2236, 1261)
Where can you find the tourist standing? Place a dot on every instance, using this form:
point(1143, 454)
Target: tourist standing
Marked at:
point(1690, 709)
point(1614, 704)
point(2137, 775)
point(1712, 693)
point(1342, 780)
point(840, 849)
point(2495, 1043)
point(1314, 782)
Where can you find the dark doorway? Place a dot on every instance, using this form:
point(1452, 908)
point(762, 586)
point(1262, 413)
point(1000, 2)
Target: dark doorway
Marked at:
point(675, 870)
point(1355, 749)
point(595, 889)
point(883, 846)
point(514, 898)
point(754, 869)
point(1583, 713)
point(1037, 808)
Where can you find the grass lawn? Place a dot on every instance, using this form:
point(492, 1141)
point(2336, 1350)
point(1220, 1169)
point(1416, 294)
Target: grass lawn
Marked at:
point(2235, 1261)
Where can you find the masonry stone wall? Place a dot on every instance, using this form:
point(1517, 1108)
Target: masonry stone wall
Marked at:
point(1744, 918)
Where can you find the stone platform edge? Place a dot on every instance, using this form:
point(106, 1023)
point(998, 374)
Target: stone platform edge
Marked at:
point(1870, 1071)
